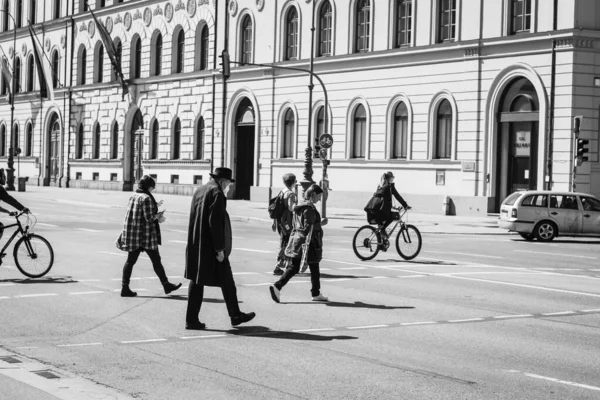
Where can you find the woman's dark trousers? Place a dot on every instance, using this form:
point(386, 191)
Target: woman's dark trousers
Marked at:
point(290, 271)
point(132, 258)
point(196, 293)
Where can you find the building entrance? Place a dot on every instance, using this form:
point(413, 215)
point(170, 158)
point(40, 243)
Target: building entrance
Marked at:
point(54, 151)
point(244, 150)
point(132, 151)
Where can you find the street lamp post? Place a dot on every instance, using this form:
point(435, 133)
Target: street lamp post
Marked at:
point(10, 172)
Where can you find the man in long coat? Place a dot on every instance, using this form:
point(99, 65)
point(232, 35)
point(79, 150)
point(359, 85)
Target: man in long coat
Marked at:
point(208, 250)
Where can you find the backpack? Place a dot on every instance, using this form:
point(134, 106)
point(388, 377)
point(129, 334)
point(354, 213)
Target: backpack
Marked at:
point(276, 207)
point(373, 209)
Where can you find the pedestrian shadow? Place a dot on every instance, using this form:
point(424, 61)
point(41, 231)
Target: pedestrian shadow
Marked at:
point(422, 262)
point(183, 298)
point(28, 281)
point(331, 276)
point(263, 331)
point(356, 304)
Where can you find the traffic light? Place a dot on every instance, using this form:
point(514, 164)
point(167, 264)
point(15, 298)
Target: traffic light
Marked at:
point(226, 64)
point(577, 124)
point(316, 151)
point(582, 149)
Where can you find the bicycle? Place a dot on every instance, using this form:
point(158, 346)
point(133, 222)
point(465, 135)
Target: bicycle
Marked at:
point(368, 242)
point(32, 253)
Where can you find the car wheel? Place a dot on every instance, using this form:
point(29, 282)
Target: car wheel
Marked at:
point(545, 231)
point(527, 236)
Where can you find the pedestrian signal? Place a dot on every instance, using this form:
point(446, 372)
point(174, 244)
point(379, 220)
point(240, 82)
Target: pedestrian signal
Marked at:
point(316, 151)
point(577, 124)
point(225, 64)
point(582, 149)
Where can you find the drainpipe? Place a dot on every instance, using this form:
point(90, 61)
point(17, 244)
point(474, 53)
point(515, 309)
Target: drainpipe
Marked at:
point(67, 121)
point(214, 87)
point(224, 104)
point(550, 149)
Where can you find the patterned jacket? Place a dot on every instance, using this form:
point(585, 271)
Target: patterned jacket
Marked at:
point(140, 228)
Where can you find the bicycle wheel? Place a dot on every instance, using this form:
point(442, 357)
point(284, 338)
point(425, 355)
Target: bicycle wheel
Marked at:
point(33, 256)
point(366, 243)
point(408, 242)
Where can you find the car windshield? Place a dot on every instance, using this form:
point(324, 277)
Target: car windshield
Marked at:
point(510, 200)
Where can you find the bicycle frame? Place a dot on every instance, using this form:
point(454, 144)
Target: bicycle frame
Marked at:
point(12, 237)
point(389, 231)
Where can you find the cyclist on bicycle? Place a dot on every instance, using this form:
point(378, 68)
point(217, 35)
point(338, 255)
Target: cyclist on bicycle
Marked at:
point(7, 198)
point(385, 191)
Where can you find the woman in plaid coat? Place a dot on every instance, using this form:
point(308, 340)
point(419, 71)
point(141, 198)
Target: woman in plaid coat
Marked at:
point(141, 232)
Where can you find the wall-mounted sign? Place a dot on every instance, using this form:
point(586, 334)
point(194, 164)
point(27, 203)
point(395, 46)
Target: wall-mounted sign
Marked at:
point(522, 144)
point(326, 140)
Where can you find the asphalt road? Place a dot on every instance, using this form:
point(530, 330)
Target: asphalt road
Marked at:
point(473, 317)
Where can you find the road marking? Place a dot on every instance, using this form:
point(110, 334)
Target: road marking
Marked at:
point(44, 224)
point(466, 320)
point(254, 250)
point(274, 241)
point(4, 297)
point(88, 230)
point(94, 292)
point(176, 230)
point(79, 345)
point(594, 310)
point(368, 327)
point(246, 273)
point(7, 284)
point(351, 268)
point(556, 380)
point(112, 253)
point(178, 241)
point(36, 295)
point(462, 254)
point(418, 323)
point(313, 330)
point(143, 341)
point(201, 337)
point(259, 284)
point(559, 313)
point(88, 280)
point(513, 316)
point(411, 276)
point(554, 254)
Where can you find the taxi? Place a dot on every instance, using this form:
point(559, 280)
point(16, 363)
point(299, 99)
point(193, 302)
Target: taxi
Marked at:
point(543, 215)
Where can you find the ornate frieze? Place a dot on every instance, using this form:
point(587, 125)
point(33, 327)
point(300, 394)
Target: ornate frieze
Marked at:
point(260, 4)
point(118, 19)
point(147, 16)
point(127, 21)
point(179, 6)
point(575, 43)
point(473, 52)
point(191, 7)
point(91, 28)
point(137, 15)
point(157, 11)
point(47, 44)
point(108, 23)
point(233, 7)
point(169, 12)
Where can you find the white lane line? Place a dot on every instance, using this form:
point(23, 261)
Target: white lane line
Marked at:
point(48, 225)
point(143, 341)
point(178, 241)
point(368, 327)
point(7, 284)
point(313, 330)
point(259, 284)
point(80, 293)
point(201, 337)
point(466, 320)
point(559, 313)
point(88, 230)
point(462, 254)
point(78, 344)
point(419, 323)
point(112, 253)
point(594, 310)
point(37, 295)
point(554, 254)
point(525, 286)
point(273, 241)
point(513, 316)
point(246, 273)
point(556, 380)
point(87, 280)
point(254, 250)
point(351, 268)
point(4, 297)
point(411, 276)
point(176, 230)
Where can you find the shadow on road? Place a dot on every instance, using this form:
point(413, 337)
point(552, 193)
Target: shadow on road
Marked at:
point(356, 304)
point(183, 298)
point(330, 276)
point(424, 262)
point(40, 280)
point(566, 241)
point(264, 331)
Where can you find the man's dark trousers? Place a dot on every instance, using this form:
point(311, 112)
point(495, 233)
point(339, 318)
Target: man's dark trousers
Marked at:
point(196, 294)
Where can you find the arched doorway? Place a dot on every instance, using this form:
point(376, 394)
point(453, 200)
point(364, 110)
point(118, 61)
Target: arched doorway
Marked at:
point(517, 140)
point(53, 152)
point(132, 149)
point(243, 158)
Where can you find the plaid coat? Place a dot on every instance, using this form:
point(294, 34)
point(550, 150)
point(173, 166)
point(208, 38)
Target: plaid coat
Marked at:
point(140, 229)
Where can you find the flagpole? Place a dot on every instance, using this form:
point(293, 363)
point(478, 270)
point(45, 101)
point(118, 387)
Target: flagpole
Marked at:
point(10, 171)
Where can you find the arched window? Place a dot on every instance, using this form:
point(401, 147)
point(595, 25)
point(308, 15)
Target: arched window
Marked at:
point(199, 139)
point(81, 67)
point(178, 54)
point(154, 140)
point(400, 134)
point(16, 136)
point(79, 143)
point(403, 23)
point(5, 13)
point(320, 121)
point(246, 40)
point(57, 9)
point(363, 26)
point(114, 142)
point(19, 13)
point(359, 132)
point(135, 58)
point(2, 140)
point(17, 77)
point(119, 56)
point(176, 140)
point(201, 59)
point(32, 10)
point(2, 85)
point(30, 74)
point(325, 29)
point(443, 139)
point(287, 147)
point(156, 56)
point(29, 140)
point(446, 20)
point(96, 143)
point(55, 68)
point(521, 16)
point(291, 34)
point(99, 63)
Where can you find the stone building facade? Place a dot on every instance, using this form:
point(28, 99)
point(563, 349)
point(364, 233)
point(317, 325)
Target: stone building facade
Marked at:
point(463, 99)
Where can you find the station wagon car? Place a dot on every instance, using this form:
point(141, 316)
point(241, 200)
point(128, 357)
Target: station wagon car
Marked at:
point(543, 215)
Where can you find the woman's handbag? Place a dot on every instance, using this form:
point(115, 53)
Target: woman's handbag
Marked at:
point(373, 208)
point(119, 242)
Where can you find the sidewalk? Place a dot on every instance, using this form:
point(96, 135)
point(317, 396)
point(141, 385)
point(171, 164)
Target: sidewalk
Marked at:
point(254, 212)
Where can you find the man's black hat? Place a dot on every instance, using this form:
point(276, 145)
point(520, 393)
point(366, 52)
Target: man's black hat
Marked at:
point(223, 173)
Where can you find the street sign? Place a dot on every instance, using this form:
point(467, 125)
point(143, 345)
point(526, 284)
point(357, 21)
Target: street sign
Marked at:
point(326, 140)
point(323, 154)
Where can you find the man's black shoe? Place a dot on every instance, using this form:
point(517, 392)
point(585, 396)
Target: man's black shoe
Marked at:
point(171, 287)
point(242, 318)
point(195, 326)
point(278, 271)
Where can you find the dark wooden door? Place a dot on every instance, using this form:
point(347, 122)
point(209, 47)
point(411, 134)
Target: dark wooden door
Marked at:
point(244, 162)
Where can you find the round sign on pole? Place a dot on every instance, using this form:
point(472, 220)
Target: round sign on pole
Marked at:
point(326, 140)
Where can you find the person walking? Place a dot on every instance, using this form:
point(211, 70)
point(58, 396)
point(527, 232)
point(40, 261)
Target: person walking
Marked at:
point(385, 190)
point(208, 248)
point(307, 222)
point(283, 226)
point(141, 232)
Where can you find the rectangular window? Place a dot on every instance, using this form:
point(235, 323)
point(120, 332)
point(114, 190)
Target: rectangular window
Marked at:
point(363, 29)
point(358, 144)
point(400, 137)
point(197, 179)
point(78, 176)
point(113, 177)
point(447, 20)
point(325, 32)
point(403, 23)
point(153, 176)
point(175, 179)
point(521, 16)
point(95, 176)
point(444, 137)
point(440, 177)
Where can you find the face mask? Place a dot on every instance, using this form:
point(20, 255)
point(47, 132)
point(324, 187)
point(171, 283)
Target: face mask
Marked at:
point(226, 188)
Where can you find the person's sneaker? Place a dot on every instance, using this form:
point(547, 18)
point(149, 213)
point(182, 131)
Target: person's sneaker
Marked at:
point(171, 287)
point(126, 292)
point(242, 318)
point(320, 297)
point(278, 271)
point(195, 326)
point(275, 294)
